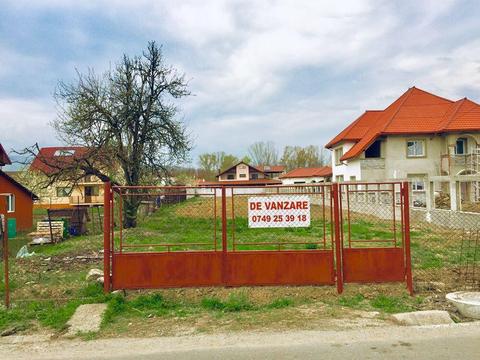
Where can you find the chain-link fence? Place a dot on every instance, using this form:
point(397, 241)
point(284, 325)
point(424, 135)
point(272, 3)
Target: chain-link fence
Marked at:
point(445, 245)
point(445, 249)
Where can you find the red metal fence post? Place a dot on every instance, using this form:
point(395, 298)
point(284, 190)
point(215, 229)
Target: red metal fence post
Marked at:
point(224, 236)
point(106, 236)
point(3, 203)
point(338, 245)
point(406, 215)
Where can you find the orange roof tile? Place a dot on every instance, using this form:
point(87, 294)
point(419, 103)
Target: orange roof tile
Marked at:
point(308, 172)
point(415, 112)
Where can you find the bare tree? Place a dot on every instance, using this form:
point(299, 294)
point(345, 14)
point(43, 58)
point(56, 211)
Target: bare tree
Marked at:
point(297, 156)
point(125, 117)
point(263, 153)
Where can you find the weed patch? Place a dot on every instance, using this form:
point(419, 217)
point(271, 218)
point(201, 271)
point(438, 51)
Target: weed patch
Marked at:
point(351, 301)
point(280, 303)
point(391, 304)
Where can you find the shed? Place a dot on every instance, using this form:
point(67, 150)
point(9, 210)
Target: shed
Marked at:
point(19, 199)
point(77, 218)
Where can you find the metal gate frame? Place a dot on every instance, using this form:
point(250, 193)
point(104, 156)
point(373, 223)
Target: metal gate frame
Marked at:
point(225, 267)
point(373, 264)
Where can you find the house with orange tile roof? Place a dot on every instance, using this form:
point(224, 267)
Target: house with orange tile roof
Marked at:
point(420, 137)
point(310, 175)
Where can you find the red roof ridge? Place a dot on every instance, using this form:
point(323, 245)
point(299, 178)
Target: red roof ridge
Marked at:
point(346, 131)
point(432, 94)
point(407, 94)
point(459, 104)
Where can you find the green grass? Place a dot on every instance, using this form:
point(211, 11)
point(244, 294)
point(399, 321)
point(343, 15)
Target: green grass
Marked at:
point(391, 304)
point(49, 313)
point(234, 303)
point(280, 303)
point(155, 305)
point(351, 301)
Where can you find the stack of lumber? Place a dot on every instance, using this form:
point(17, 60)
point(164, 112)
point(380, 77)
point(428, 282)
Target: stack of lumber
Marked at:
point(47, 229)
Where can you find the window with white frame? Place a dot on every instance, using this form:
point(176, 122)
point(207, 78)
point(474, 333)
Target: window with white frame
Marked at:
point(415, 148)
point(11, 203)
point(418, 181)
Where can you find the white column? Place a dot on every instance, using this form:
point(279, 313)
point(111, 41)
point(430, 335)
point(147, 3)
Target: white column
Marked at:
point(453, 195)
point(429, 198)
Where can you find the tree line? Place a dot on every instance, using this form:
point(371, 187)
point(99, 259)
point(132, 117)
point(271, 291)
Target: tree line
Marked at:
point(263, 153)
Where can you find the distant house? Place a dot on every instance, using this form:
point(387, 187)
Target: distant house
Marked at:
point(87, 191)
point(272, 171)
point(243, 174)
point(307, 175)
point(19, 204)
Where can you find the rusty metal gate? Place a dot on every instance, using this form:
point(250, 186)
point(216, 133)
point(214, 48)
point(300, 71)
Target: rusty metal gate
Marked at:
point(202, 236)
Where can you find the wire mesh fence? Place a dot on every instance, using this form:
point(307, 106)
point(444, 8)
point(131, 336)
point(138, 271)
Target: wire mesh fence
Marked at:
point(372, 215)
point(445, 244)
point(281, 218)
point(445, 248)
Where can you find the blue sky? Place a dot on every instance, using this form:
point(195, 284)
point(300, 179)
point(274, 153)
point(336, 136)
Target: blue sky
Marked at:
point(292, 72)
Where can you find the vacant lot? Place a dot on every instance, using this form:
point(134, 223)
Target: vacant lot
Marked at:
point(47, 288)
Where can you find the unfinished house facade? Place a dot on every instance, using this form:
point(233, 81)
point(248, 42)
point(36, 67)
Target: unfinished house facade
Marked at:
point(431, 141)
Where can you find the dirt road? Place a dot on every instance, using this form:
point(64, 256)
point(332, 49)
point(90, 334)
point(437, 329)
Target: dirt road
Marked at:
point(460, 341)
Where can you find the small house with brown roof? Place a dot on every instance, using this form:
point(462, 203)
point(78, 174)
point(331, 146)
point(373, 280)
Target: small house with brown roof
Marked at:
point(307, 175)
point(243, 174)
point(419, 136)
point(19, 199)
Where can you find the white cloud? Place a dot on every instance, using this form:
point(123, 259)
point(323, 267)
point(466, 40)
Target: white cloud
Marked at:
point(242, 57)
point(24, 122)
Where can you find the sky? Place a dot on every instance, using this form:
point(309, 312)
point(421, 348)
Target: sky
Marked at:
point(291, 72)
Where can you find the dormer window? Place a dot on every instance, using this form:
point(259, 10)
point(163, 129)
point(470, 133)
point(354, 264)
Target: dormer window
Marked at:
point(64, 153)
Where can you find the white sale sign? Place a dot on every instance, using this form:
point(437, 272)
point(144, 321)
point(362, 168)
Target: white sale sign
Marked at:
point(279, 211)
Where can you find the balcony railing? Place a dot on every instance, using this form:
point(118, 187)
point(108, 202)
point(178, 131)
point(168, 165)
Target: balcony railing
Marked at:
point(453, 163)
point(81, 200)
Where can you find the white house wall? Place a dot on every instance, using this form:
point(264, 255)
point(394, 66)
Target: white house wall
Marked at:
point(306, 180)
